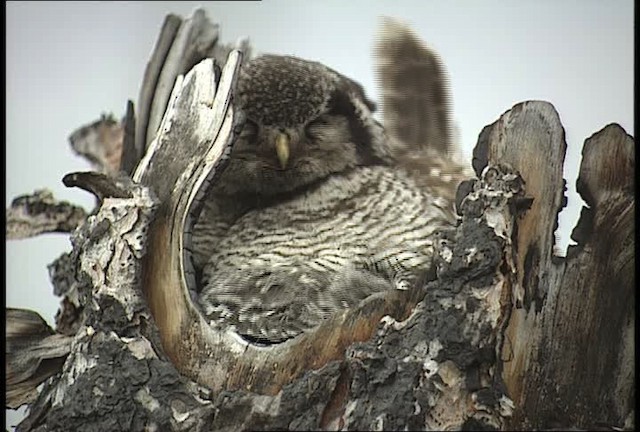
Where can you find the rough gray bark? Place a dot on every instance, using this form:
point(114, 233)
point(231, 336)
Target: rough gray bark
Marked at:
point(495, 341)
point(31, 215)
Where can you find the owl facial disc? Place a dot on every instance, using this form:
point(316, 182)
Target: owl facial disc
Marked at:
point(304, 123)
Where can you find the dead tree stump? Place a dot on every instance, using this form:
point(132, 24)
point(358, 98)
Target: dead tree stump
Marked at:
point(508, 335)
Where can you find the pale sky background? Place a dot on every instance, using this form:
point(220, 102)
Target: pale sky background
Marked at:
point(68, 62)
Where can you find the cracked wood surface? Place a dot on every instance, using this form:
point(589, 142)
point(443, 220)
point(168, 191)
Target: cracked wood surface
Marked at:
point(38, 213)
point(569, 341)
point(573, 345)
point(445, 365)
point(494, 342)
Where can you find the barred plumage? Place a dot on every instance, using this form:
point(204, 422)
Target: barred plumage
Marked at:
point(318, 209)
point(296, 253)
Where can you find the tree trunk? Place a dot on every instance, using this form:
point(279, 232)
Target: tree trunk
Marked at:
point(507, 336)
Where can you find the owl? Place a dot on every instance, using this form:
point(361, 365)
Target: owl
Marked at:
point(317, 209)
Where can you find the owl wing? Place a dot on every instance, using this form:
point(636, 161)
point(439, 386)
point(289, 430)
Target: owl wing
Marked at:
point(281, 269)
point(271, 304)
point(217, 216)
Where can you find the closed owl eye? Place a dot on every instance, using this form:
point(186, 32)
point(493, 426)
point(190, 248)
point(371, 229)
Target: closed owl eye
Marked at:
point(320, 121)
point(317, 126)
point(249, 131)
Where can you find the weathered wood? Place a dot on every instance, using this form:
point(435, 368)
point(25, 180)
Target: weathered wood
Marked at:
point(100, 143)
point(193, 138)
point(181, 45)
point(568, 312)
point(107, 144)
point(574, 365)
point(33, 353)
point(150, 79)
point(496, 339)
point(530, 138)
point(130, 154)
point(195, 37)
point(115, 366)
point(31, 215)
point(100, 185)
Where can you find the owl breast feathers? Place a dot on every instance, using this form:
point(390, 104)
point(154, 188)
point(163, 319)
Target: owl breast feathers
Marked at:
point(315, 210)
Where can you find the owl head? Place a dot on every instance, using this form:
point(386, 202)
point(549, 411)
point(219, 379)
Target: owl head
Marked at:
point(304, 122)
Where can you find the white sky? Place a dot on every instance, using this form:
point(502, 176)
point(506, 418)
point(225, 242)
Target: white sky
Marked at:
point(68, 62)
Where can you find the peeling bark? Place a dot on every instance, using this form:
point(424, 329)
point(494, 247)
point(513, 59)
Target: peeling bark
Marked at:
point(34, 353)
point(31, 215)
point(506, 336)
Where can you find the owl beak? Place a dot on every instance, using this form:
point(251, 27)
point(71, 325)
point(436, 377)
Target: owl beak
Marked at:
point(282, 149)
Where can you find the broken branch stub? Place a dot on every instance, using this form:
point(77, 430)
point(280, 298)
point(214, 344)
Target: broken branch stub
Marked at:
point(150, 80)
point(31, 215)
point(181, 45)
point(33, 354)
point(100, 143)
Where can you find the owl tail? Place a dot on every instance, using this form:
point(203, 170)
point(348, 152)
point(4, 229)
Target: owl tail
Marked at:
point(416, 105)
point(417, 110)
